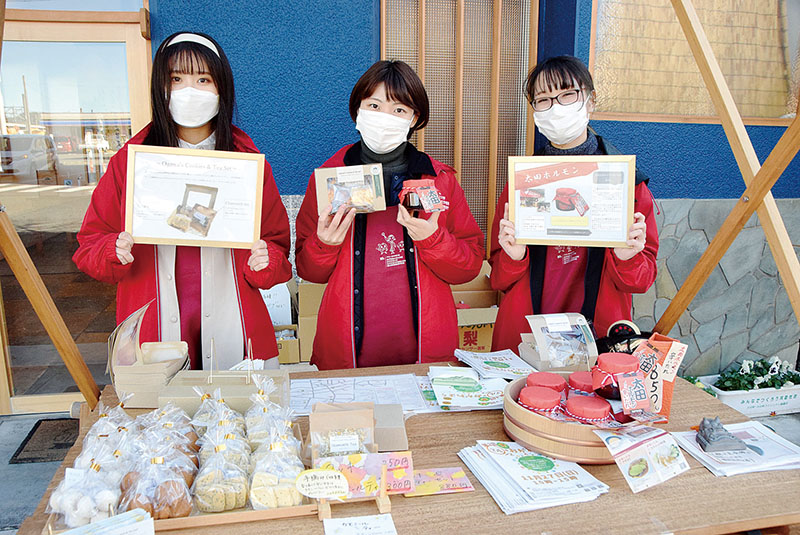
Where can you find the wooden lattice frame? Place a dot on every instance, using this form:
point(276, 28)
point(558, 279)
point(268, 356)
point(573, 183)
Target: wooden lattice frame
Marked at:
point(758, 179)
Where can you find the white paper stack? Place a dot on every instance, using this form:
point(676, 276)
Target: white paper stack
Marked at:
point(765, 451)
point(521, 480)
point(458, 388)
point(497, 364)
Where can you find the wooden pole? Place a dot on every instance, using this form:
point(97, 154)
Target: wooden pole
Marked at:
point(31, 282)
point(421, 63)
point(494, 120)
point(458, 97)
point(533, 52)
point(383, 29)
point(774, 229)
point(780, 157)
point(6, 382)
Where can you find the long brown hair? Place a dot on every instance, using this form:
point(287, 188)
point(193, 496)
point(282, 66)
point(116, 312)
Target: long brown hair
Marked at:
point(189, 57)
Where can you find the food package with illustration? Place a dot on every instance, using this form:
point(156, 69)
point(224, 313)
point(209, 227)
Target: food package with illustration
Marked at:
point(558, 343)
point(354, 186)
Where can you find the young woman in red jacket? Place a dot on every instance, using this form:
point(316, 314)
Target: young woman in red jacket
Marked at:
point(199, 293)
point(594, 281)
point(388, 299)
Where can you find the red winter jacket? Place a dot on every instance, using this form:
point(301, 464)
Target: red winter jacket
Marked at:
point(451, 255)
point(137, 282)
point(618, 279)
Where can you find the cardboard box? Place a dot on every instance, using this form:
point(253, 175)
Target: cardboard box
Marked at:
point(307, 329)
point(46, 178)
point(475, 328)
point(481, 282)
point(477, 298)
point(476, 323)
point(288, 348)
point(233, 384)
point(390, 425)
point(309, 297)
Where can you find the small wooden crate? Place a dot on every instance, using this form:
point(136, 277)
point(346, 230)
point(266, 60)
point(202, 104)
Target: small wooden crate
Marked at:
point(563, 440)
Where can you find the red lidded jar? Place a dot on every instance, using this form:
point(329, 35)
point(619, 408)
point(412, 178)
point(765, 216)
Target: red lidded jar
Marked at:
point(604, 381)
point(580, 384)
point(539, 398)
point(564, 199)
point(588, 409)
point(549, 380)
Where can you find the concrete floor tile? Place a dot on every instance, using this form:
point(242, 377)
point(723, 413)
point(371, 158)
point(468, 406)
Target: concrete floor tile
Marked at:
point(23, 484)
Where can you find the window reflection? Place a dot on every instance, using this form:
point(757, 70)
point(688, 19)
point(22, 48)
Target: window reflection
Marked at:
point(73, 5)
point(65, 111)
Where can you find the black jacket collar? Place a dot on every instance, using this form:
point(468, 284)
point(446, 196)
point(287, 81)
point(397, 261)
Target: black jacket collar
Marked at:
point(419, 163)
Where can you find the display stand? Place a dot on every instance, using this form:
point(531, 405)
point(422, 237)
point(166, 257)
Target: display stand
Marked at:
point(24, 270)
point(381, 500)
point(759, 180)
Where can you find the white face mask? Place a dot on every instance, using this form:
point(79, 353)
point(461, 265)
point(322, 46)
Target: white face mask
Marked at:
point(382, 132)
point(192, 107)
point(562, 124)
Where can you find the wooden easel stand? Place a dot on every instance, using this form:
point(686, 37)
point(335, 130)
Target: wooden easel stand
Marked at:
point(758, 180)
point(31, 282)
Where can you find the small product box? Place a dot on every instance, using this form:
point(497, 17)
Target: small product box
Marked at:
point(354, 186)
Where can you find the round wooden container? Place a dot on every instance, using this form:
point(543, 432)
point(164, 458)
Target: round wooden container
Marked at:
point(564, 440)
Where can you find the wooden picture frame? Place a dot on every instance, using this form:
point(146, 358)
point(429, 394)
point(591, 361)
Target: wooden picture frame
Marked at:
point(584, 201)
point(203, 198)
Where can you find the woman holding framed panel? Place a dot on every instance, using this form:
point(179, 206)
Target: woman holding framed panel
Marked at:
point(199, 293)
point(388, 299)
point(594, 281)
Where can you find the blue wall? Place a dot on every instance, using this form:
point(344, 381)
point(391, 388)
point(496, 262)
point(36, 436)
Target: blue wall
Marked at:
point(683, 160)
point(294, 64)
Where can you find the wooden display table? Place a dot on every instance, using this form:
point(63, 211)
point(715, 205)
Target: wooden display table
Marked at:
point(693, 502)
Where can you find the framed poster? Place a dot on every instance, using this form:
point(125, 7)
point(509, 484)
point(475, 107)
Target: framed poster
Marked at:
point(206, 198)
point(572, 200)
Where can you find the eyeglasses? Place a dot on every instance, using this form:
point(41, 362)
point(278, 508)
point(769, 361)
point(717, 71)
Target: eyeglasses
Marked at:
point(565, 99)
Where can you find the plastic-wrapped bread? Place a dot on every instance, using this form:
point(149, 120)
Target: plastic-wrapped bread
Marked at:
point(213, 409)
point(86, 495)
point(219, 486)
point(157, 487)
point(274, 474)
point(225, 440)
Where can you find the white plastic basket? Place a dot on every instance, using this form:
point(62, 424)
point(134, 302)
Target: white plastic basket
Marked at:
point(760, 402)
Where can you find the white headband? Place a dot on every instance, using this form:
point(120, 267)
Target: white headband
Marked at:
point(194, 38)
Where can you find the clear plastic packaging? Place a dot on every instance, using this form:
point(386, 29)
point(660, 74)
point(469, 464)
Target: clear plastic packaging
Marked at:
point(345, 441)
point(274, 474)
point(220, 486)
point(227, 442)
point(88, 495)
point(157, 487)
point(213, 410)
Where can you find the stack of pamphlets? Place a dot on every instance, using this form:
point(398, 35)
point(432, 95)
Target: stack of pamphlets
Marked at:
point(765, 451)
point(646, 456)
point(459, 388)
point(500, 364)
point(520, 480)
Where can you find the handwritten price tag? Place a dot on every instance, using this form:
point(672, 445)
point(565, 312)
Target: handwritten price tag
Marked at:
point(399, 472)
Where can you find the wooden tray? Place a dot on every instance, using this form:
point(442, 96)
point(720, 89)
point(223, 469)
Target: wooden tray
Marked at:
point(213, 519)
point(563, 440)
